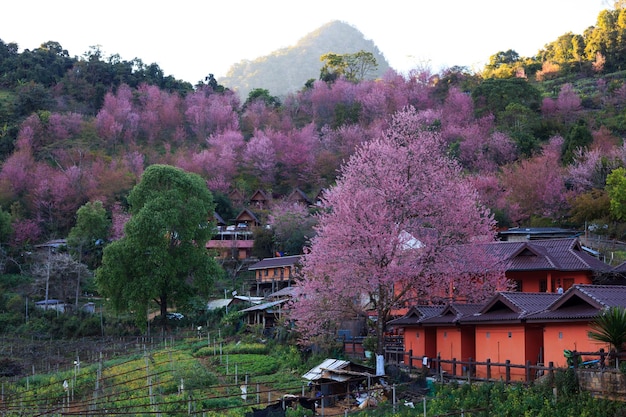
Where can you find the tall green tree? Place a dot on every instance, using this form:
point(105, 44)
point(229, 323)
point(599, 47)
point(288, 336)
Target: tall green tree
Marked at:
point(89, 234)
point(616, 189)
point(162, 259)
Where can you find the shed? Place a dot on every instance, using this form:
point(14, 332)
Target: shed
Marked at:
point(336, 378)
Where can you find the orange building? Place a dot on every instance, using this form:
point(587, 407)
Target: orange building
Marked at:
point(512, 326)
point(550, 265)
point(452, 340)
point(418, 340)
point(566, 322)
point(501, 332)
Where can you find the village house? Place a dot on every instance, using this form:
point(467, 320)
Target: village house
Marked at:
point(499, 331)
point(231, 242)
point(566, 321)
point(550, 265)
point(273, 274)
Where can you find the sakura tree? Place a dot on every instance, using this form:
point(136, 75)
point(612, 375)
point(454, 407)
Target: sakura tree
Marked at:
point(401, 225)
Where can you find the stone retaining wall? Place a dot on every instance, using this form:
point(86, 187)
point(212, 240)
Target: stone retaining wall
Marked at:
point(608, 383)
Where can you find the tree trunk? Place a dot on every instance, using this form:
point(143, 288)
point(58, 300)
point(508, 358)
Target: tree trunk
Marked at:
point(163, 305)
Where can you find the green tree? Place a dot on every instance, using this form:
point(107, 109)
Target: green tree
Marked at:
point(354, 67)
point(263, 95)
point(579, 136)
point(610, 327)
point(494, 95)
point(616, 188)
point(88, 236)
point(162, 258)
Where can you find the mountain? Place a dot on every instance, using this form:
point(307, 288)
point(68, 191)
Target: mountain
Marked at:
point(288, 69)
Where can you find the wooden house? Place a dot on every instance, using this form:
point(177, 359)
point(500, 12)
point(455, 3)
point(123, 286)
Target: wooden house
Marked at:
point(236, 198)
point(273, 274)
point(298, 196)
point(259, 200)
point(247, 219)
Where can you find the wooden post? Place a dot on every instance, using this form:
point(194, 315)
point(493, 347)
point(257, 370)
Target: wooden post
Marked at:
point(453, 366)
point(508, 371)
point(551, 369)
point(488, 368)
point(527, 371)
point(410, 359)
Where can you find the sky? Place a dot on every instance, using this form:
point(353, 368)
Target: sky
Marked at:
point(190, 39)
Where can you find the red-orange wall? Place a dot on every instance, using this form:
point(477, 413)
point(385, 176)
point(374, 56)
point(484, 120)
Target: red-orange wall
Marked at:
point(572, 336)
point(449, 346)
point(531, 279)
point(420, 341)
point(499, 343)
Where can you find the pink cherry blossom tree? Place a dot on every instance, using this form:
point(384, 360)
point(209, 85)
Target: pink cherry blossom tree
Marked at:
point(391, 233)
point(536, 186)
point(259, 156)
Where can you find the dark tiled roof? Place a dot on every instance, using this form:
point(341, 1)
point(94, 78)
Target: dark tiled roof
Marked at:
point(583, 302)
point(550, 254)
point(416, 314)
point(278, 262)
point(512, 306)
point(607, 295)
point(621, 268)
point(453, 313)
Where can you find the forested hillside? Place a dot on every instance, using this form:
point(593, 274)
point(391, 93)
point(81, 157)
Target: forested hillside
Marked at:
point(537, 136)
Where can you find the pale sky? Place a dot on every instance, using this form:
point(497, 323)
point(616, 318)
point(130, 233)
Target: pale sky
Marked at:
point(189, 39)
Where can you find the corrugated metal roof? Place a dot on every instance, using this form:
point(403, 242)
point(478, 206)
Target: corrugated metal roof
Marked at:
point(285, 292)
point(264, 306)
point(329, 364)
point(275, 262)
point(217, 304)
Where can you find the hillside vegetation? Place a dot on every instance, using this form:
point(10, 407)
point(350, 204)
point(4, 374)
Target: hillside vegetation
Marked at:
point(539, 138)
